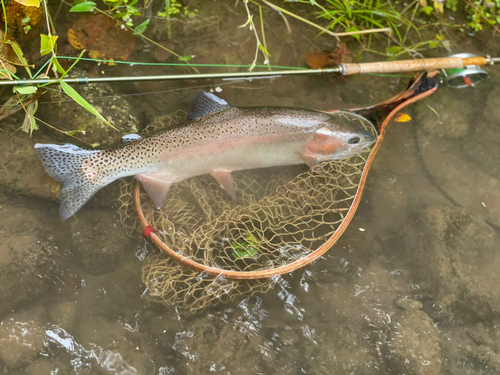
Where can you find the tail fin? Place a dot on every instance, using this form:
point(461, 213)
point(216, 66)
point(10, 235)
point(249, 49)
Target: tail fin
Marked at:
point(65, 163)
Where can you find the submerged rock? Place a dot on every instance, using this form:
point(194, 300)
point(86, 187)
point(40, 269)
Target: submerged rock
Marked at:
point(413, 345)
point(455, 253)
point(64, 315)
point(100, 239)
point(60, 111)
point(20, 169)
point(28, 255)
point(22, 337)
point(46, 366)
point(446, 117)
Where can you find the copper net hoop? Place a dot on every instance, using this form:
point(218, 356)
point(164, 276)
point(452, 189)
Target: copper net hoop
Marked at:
point(207, 268)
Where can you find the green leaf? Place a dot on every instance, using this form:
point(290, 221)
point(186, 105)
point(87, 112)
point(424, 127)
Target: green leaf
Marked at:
point(245, 249)
point(141, 28)
point(25, 90)
point(393, 50)
point(427, 10)
point(86, 6)
point(261, 47)
point(186, 58)
point(352, 29)
point(58, 66)
point(77, 98)
point(47, 45)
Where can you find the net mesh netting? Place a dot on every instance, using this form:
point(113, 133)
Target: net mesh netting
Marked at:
point(280, 216)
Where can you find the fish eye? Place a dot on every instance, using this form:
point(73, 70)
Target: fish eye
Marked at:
point(354, 140)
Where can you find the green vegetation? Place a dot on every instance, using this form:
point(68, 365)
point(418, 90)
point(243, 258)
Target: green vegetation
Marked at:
point(404, 29)
point(246, 249)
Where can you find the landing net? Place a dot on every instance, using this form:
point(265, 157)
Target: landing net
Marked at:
point(281, 216)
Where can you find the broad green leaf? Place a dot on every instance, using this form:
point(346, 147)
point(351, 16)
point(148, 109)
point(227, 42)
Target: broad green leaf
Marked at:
point(77, 98)
point(86, 6)
point(141, 28)
point(29, 3)
point(25, 90)
point(47, 45)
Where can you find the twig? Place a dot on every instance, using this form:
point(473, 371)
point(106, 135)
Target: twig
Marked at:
point(251, 25)
point(63, 132)
point(17, 64)
point(19, 107)
point(336, 35)
point(281, 10)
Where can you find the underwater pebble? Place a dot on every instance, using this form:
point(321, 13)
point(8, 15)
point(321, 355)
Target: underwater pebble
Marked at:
point(408, 303)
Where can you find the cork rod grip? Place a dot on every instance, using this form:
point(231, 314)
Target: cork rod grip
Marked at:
point(410, 65)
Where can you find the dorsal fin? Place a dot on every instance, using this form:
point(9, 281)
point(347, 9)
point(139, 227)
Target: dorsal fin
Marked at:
point(205, 103)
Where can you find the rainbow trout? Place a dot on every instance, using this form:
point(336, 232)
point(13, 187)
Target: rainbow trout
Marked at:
point(219, 139)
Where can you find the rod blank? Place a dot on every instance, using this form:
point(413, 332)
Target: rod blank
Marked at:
point(345, 69)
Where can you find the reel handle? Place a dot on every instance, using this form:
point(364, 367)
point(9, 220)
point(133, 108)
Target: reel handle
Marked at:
point(410, 65)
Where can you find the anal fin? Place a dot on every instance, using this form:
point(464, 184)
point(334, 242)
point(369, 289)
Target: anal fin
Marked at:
point(309, 159)
point(156, 187)
point(224, 178)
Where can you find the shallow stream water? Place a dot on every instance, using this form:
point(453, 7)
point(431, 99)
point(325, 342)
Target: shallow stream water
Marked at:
point(411, 287)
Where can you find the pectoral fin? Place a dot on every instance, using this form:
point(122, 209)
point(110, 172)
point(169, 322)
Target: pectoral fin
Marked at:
point(156, 187)
point(309, 159)
point(224, 178)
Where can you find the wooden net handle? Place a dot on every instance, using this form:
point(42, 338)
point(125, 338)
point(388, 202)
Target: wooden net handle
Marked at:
point(411, 65)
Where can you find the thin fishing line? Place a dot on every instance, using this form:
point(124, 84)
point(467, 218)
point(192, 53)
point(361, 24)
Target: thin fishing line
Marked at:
point(132, 63)
point(135, 94)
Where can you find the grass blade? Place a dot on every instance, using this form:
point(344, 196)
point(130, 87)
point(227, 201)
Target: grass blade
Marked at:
point(78, 98)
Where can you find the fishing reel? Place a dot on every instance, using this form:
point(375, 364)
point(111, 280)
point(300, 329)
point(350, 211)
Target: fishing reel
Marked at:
point(468, 76)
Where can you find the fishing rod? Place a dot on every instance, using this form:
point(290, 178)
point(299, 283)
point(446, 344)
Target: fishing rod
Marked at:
point(458, 62)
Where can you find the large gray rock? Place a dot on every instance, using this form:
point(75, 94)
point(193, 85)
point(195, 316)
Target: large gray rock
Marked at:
point(413, 345)
point(456, 256)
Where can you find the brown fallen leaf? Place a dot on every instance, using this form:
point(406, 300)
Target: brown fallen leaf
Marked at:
point(17, 12)
point(317, 59)
point(7, 56)
point(101, 36)
point(320, 59)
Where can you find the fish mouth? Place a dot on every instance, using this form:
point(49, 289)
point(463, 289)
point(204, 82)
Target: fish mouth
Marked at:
point(368, 138)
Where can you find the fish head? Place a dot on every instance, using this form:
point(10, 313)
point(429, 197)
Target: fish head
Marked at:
point(342, 135)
